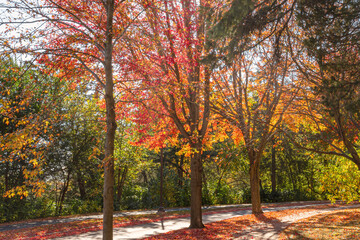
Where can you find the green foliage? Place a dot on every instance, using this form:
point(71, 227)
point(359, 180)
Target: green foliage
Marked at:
point(28, 102)
point(332, 37)
point(223, 194)
point(230, 22)
point(137, 197)
point(340, 180)
point(16, 209)
point(232, 28)
point(176, 195)
point(78, 206)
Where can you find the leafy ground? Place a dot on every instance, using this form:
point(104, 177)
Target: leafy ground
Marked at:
point(235, 227)
point(78, 227)
point(344, 224)
point(226, 229)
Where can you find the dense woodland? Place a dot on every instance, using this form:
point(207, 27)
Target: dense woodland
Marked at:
point(109, 105)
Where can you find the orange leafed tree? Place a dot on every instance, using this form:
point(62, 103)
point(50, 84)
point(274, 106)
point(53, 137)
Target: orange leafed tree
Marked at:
point(166, 57)
point(254, 91)
point(27, 102)
point(84, 36)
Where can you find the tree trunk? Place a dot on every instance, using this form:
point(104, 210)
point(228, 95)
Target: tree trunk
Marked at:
point(349, 146)
point(108, 194)
point(7, 170)
point(81, 185)
point(63, 193)
point(146, 181)
point(273, 169)
point(291, 174)
point(255, 183)
point(161, 207)
point(196, 185)
point(180, 171)
point(7, 183)
point(121, 182)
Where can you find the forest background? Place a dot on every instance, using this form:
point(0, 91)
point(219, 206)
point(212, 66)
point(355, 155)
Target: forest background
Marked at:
point(176, 103)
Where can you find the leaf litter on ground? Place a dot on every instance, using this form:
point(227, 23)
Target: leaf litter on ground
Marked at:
point(342, 224)
point(218, 230)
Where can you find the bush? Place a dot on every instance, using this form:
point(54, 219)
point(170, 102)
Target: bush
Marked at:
point(15, 209)
point(78, 206)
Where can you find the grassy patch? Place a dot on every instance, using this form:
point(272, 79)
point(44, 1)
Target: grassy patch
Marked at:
point(343, 224)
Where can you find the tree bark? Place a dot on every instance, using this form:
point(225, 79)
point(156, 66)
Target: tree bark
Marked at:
point(180, 171)
point(7, 170)
point(161, 204)
point(121, 182)
point(342, 133)
point(273, 169)
point(108, 194)
point(196, 187)
point(63, 192)
point(255, 182)
point(146, 181)
point(81, 184)
point(291, 174)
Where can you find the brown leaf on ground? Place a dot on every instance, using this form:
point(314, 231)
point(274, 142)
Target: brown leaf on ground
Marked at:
point(343, 224)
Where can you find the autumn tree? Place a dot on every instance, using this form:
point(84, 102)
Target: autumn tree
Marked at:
point(254, 87)
point(28, 99)
point(27, 102)
point(84, 36)
point(167, 58)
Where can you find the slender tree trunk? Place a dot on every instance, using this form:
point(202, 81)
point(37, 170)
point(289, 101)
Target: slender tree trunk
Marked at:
point(109, 167)
point(81, 185)
point(196, 187)
point(63, 193)
point(273, 169)
point(349, 146)
point(118, 184)
point(146, 181)
point(291, 175)
point(161, 203)
point(108, 194)
point(7, 170)
point(204, 183)
point(180, 171)
point(7, 184)
point(121, 182)
point(255, 182)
